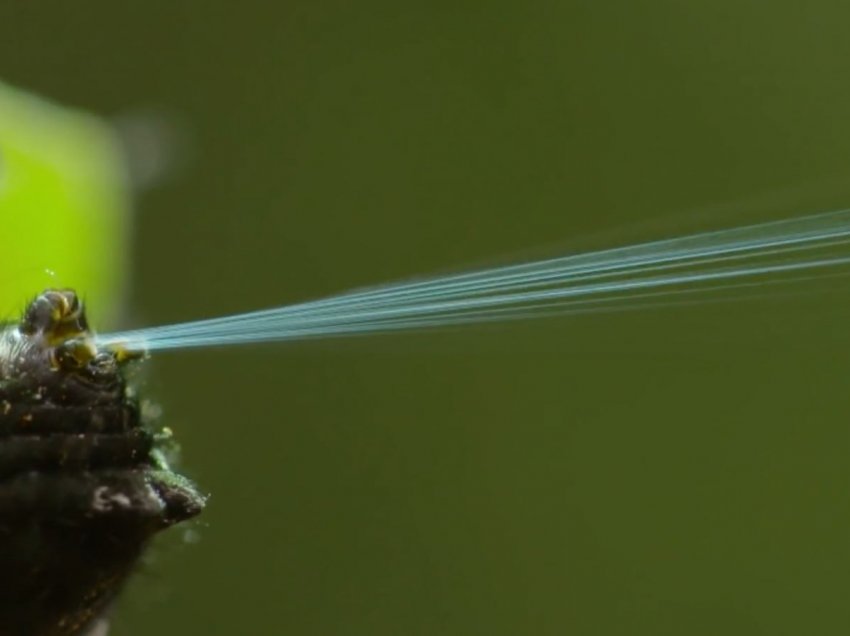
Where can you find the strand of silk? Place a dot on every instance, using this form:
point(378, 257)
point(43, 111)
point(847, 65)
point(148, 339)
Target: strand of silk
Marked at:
point(669, 271)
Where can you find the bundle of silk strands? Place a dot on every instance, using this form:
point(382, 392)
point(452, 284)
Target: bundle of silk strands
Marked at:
point(670, 271)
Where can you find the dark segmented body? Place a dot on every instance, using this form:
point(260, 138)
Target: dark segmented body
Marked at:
point(83, 485)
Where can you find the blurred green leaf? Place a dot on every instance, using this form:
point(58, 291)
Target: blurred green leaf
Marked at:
point(63, 202)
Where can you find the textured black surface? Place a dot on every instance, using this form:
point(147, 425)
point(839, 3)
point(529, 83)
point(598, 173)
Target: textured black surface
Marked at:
point(82, 483)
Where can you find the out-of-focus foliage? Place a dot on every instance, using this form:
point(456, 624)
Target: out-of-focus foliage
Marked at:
point(63, 204)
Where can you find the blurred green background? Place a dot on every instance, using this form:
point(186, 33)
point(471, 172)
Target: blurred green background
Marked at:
point(658, 472)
